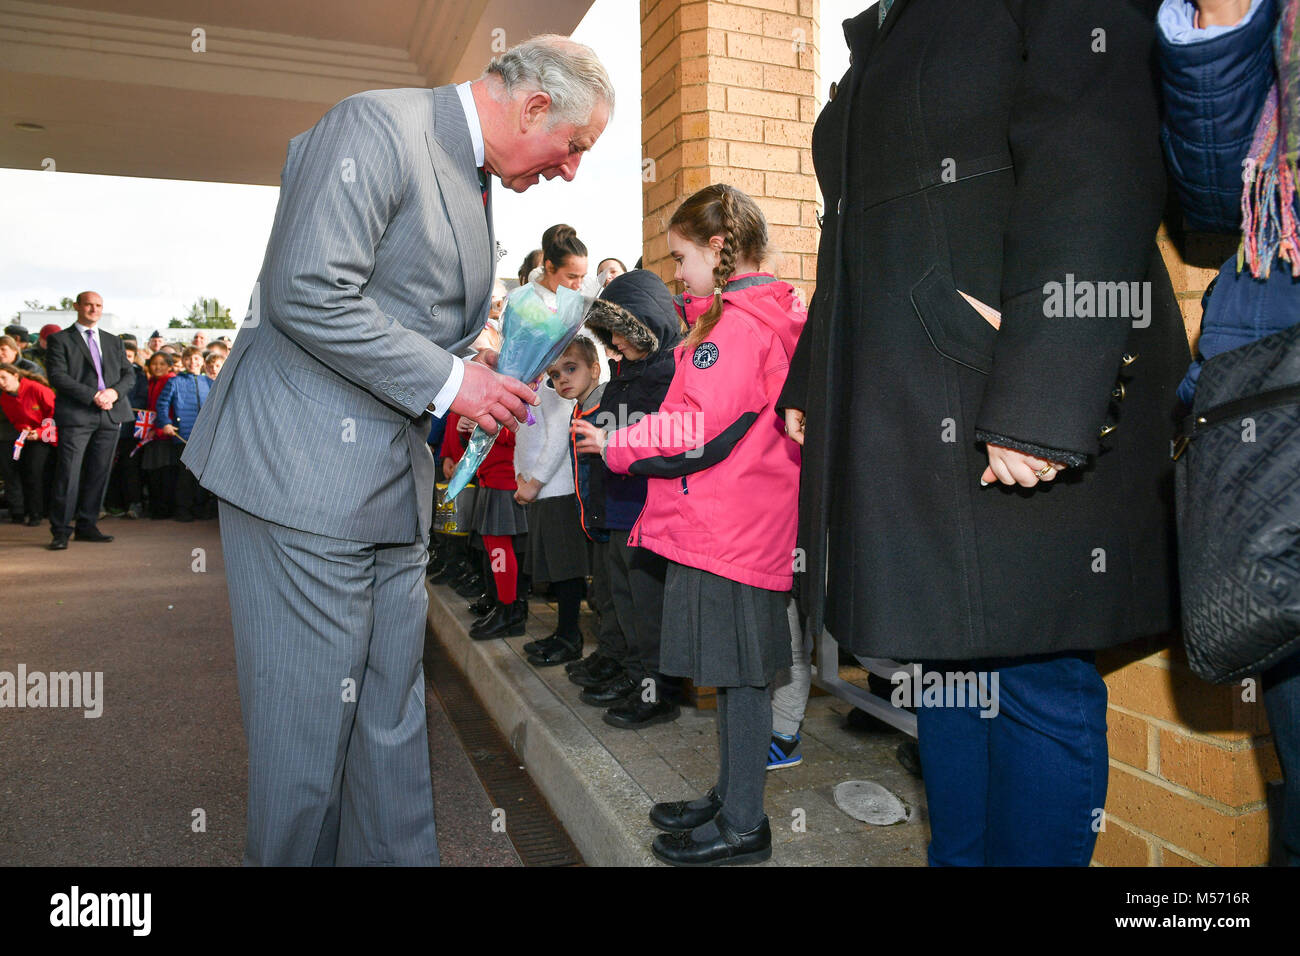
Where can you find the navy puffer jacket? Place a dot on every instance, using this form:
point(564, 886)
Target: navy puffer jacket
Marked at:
point(1214, 89)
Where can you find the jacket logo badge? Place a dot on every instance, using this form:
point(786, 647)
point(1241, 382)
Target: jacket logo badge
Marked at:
point(706, 353)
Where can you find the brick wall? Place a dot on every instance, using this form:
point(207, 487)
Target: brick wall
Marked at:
point(728, 95)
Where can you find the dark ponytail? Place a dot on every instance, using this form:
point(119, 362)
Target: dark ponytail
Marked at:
point(559, 243)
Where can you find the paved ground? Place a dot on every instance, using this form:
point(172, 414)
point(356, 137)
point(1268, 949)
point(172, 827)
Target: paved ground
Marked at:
point(122, 788)
point(567, 745)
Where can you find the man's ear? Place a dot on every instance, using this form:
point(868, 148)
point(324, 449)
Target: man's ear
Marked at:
point(534, 109)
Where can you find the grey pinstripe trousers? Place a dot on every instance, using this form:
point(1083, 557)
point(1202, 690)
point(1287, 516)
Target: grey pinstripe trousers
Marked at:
point(329, 638)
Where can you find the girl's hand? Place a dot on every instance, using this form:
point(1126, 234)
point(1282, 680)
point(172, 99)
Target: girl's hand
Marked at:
point(169, 430)
point(590, 440)
point(1013, 467)
point(527, 490)
point(794, 424)
point(465, 426)
point(448, 468)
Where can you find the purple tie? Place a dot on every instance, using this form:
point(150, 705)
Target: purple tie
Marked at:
point(94, 356)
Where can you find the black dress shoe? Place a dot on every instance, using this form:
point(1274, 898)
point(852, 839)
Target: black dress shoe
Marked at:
point(446, 573)
point(633, 713)
point(468, 585)
point(557, 650)
point(60, 543)
point(94, 534)
point(609, 693)
point(33, 521)
point(678, 817)
point(485, 603)
point(504, 620)
point(728, 849)
point(600, 671)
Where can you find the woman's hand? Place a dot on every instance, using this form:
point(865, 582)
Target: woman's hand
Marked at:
point(794, 424)
point(590, 440)
point(1013, 467)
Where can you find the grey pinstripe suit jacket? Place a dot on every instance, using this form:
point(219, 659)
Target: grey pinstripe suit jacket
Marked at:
point(378, 268)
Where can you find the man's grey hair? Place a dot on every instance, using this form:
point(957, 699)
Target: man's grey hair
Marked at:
point(568, 71)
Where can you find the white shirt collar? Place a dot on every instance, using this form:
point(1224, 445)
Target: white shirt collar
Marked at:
point(471, 117)
point(83, 329)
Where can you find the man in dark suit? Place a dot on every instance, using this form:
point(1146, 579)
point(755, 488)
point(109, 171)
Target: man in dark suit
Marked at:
point(91, 377)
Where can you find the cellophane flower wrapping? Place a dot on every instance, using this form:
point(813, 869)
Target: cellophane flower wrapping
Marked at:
point(533, 337)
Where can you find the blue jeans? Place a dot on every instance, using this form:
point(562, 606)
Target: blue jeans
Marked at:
point(1282, 701)
point(1025, 787)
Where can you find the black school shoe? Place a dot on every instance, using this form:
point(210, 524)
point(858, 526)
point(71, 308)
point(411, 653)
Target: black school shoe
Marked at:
point(485, 603)
point(633, 713)
point(729, 849)
point(598, 670)
point(679, 817)
point(504, 620)
point(470, 584)
point(556, 650)
point(609, 693)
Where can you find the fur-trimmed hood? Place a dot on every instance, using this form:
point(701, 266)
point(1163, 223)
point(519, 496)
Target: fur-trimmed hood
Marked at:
point(638, 306)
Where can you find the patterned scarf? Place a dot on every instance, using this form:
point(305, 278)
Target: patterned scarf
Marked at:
point(1268, 212)
point(884, 11)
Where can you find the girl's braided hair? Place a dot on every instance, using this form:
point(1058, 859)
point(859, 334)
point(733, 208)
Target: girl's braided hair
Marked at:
point(721, 210)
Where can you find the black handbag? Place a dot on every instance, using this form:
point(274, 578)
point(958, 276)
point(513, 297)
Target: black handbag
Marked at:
point(1238, 495)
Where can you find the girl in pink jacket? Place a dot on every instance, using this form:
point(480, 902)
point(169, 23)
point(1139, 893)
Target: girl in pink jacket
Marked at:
point(721, 505)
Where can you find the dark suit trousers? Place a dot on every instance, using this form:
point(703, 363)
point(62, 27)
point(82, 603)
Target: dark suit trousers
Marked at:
point(81, 474)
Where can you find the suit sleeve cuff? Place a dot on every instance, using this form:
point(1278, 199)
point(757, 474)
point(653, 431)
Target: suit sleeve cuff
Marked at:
point(447, 394)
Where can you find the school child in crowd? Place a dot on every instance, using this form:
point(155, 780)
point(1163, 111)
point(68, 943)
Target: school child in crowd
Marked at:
point(177, 408)
point(557, 550)
point(634, 315)
point(28, 407)
point(501, 526)
point(159, 455)
point(721, 508)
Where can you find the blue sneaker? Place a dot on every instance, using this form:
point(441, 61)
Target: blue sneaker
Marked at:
point(783, 752)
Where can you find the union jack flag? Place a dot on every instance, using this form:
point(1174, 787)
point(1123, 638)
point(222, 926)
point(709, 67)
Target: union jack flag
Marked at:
point(18, 445)
point(144, 425)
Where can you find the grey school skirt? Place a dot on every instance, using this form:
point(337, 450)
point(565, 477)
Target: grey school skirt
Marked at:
point(557, 546)
point(497, 512)
point(721, 633)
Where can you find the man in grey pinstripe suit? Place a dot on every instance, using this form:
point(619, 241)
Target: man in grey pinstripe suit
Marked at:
point(379, 268)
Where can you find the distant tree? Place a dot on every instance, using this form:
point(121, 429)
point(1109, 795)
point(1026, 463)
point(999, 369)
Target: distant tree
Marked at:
point(205, 314)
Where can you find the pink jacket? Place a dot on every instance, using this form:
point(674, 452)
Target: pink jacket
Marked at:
point(723, 493)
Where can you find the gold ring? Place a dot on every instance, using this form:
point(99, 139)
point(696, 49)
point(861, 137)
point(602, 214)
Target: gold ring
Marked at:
point(1042, 472)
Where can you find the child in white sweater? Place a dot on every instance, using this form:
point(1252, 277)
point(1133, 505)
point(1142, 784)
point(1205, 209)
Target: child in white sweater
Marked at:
point(557, 546)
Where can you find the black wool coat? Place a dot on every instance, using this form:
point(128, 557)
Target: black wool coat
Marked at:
point(995, 147)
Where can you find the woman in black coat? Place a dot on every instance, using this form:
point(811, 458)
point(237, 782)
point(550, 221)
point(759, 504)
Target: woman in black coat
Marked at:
point(1006, 151)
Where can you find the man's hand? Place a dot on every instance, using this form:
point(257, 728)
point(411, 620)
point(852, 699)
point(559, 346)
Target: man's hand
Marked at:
point(1221, 13)
point(491, 400)
point(590, 440)
point(105, 399)
point(1013, 467)
point(794, 424)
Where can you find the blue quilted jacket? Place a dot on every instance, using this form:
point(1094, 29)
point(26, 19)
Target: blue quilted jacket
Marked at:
point(1215, 82)
point(180, 400)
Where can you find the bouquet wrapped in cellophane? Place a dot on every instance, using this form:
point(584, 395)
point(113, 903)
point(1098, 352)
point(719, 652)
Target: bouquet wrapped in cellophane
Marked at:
point(533, 337)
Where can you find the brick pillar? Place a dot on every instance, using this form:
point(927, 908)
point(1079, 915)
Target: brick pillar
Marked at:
point(1189, 761)
point(728, 94)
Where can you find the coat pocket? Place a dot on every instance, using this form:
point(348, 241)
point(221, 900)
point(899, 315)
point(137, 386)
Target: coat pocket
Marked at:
point(954, 328)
